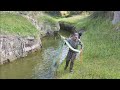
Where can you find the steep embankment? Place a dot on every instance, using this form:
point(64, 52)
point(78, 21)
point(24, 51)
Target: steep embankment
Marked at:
point(101, 55)
point(22, 33)
point(45, 24)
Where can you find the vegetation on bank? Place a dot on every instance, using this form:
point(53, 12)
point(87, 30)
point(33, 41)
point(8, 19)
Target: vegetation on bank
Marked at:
point(74, 21)
point(46, 19)
point(16, 24)
point(101, 54)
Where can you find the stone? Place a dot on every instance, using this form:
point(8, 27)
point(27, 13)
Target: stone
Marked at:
point(13, 47)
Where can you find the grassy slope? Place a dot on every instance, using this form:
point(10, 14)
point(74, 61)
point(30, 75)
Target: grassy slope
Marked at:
point(47, 20)
point(101, 54)
point(49, 23)
point(74, 21)
point(16, 24)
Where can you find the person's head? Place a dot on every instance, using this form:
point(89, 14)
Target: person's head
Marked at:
point(75, 36)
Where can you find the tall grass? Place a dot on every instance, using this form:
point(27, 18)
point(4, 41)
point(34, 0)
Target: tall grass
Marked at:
point(101, 54)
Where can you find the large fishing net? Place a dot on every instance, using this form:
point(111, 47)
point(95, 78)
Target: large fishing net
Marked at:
point(62, 53)
point(52, 60)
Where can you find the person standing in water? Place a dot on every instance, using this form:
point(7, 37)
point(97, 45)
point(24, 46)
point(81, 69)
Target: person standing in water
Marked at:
point(74, 41)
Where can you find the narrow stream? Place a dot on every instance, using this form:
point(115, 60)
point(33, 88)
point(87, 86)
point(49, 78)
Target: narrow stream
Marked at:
point(36, 65)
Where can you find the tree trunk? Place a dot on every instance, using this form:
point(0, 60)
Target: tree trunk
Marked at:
point(104, 14)
point(116, 18)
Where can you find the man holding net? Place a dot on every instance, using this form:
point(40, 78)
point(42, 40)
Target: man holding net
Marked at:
point(74, 42)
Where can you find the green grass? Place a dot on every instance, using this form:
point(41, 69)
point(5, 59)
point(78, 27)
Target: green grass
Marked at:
point(73, 19)
point(79, 21)
point(101, 54)
point(47, 19)
point(16, 24)
point(48, 22)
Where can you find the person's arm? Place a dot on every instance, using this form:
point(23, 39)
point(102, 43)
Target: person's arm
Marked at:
point(68, 40)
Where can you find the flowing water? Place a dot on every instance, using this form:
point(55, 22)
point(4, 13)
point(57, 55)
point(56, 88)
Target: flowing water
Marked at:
point(36, 65)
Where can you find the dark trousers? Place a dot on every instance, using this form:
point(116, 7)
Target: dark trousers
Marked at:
point(70, 57)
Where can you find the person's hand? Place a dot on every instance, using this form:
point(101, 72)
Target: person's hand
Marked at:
point(80, 50)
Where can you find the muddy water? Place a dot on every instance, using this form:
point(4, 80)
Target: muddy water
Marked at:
point(36, 65)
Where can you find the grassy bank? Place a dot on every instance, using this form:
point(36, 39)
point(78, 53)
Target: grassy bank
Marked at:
point(73, 20)
point(47, 19)
point(101, 54)
point(16, 24)
point(11, 23)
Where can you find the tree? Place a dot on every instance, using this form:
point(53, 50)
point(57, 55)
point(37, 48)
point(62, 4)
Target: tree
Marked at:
point(53, 13)
point(116, 17)
point(104, 14)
